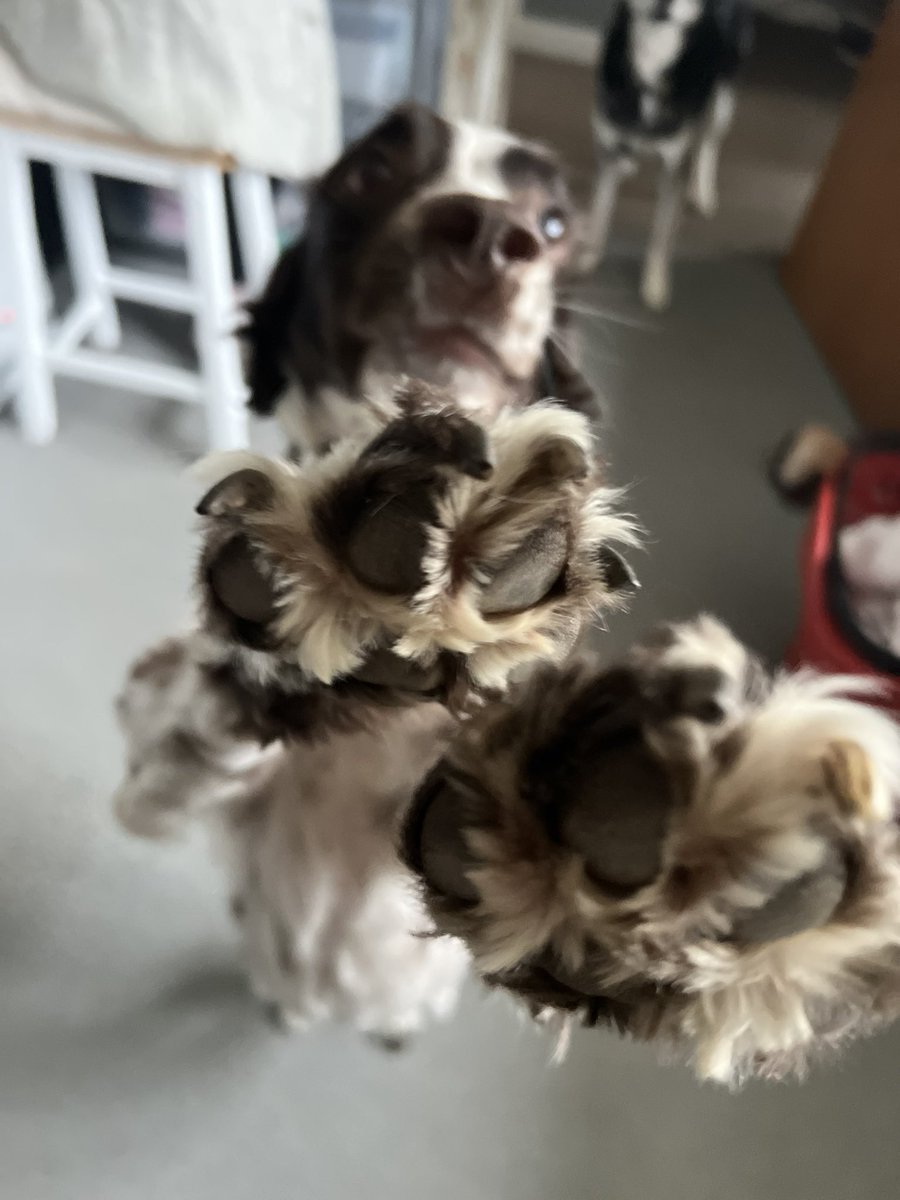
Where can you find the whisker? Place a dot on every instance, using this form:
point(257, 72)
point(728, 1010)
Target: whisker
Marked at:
point(595, 359)
point(601, 314)
point(578, 287)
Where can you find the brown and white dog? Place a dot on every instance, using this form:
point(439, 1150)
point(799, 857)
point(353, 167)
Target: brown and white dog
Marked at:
point(413, 560)
point(679, 845)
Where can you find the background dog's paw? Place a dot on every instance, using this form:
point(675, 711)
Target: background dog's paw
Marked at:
point(656, 287)
point(703, 195)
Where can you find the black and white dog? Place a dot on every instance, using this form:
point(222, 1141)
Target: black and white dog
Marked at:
point(664, 92)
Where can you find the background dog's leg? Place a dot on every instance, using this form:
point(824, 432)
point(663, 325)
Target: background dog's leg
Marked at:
point(611, 170)
point(656, 283)
point(703, 191)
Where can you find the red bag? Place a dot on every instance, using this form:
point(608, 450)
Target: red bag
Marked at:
point(828, 636)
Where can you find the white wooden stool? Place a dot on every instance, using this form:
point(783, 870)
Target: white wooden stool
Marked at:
point(46, 350)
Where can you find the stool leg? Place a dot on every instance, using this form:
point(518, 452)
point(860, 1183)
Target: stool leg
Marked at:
point(254, 214)
point(86, 248)
point(209, 263)
point(35, 402)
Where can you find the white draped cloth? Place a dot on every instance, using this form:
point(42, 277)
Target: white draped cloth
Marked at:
point(255, 80)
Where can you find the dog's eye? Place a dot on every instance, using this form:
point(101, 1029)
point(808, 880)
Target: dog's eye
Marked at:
point(371, 174)
point(554, 224)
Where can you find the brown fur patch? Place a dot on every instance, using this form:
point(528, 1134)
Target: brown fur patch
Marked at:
point(849, 777)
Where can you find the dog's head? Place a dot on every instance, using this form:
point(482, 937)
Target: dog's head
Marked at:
point(432, 250)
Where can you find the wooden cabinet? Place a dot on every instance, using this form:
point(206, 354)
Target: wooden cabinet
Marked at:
point(843, 271)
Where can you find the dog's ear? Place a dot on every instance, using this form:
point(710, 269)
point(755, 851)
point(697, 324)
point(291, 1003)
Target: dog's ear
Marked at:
point(294, 331)
point(289, 334)
point(293, 334)
point(267, 333)
point(406, 147)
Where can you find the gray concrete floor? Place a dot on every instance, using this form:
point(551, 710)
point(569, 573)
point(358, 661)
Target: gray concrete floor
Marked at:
point(133, 1066)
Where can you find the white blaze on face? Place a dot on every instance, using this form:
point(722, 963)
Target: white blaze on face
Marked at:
point(473, 165)
point(656, 45)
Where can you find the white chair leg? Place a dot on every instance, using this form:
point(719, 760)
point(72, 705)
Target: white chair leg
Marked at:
point(209, 263)
point(257, 230)
point(35, 401)
point(86, 249)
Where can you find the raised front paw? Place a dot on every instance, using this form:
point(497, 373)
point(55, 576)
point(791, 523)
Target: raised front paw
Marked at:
point(720, 870)
point(434, 559)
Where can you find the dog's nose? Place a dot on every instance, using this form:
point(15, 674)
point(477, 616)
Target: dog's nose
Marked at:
point(454, 224)
point(514, 243)
point(477, 233)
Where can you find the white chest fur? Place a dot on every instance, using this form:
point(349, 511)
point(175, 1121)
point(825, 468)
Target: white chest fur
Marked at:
point(655, 46)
